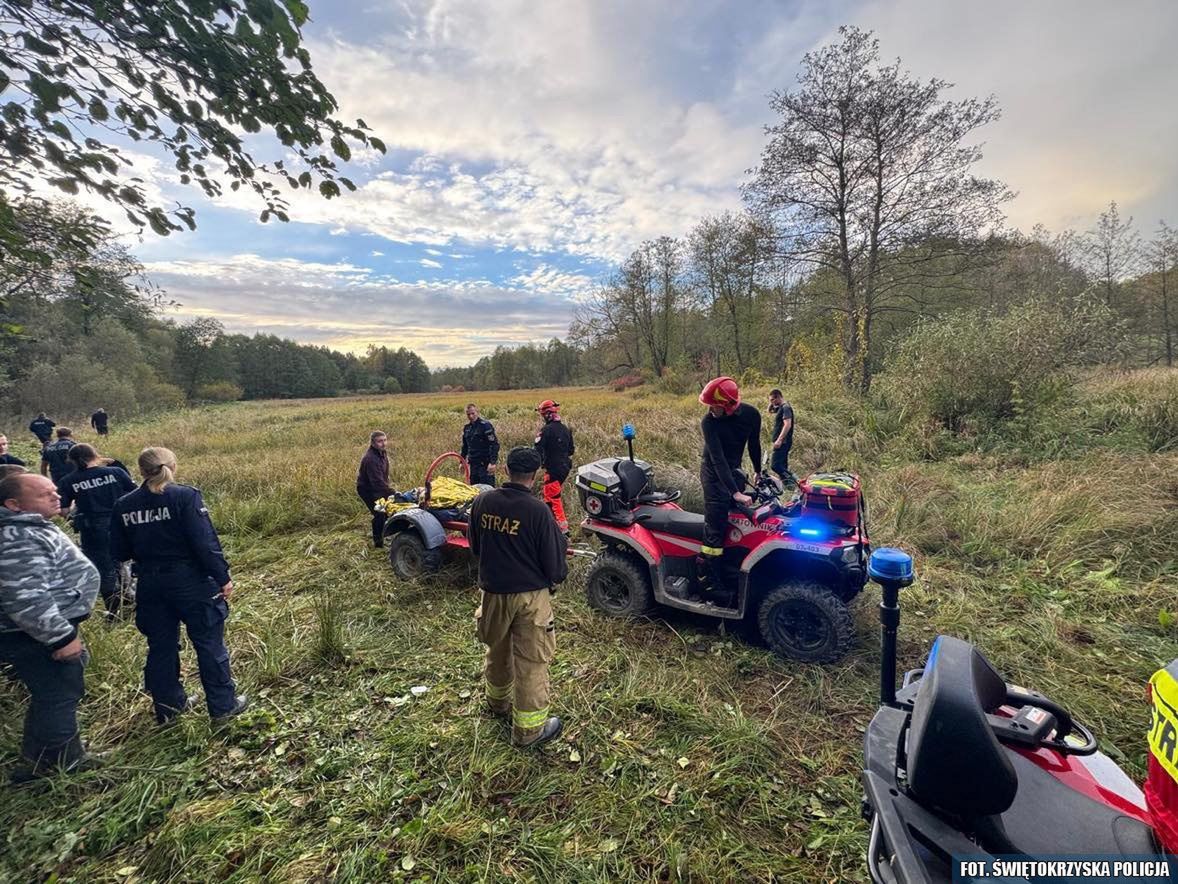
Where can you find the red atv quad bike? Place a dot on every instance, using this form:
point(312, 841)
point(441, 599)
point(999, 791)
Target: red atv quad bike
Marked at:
point(960, 765)
point(793, 570)
point(423, 537)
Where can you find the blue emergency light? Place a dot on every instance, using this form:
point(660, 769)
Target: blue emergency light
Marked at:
point(628, 431)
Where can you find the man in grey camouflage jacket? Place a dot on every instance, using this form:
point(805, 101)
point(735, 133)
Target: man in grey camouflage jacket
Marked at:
point(47, 587)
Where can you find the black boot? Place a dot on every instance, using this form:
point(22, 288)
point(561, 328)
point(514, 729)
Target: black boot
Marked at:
point(550, 731)
point(240, 705)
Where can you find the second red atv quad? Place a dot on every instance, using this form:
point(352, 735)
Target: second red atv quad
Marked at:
point(792, 569)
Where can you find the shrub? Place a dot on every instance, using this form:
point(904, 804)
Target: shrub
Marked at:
point(159, 396)
point(626, 382)
point(973, 368)
point(219, 391)
point(391, 385)
point(75, 386)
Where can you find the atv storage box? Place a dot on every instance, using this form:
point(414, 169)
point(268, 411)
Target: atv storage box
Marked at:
point(600, 487)
point(834, 497)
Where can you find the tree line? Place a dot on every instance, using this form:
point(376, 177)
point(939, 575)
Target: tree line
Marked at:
point(864, 216)
point(81, 327)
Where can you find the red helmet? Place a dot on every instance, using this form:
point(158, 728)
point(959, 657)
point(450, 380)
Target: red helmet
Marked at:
point(723, 392)
point(548, 408)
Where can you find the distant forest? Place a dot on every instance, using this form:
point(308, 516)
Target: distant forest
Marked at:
point(865, 235)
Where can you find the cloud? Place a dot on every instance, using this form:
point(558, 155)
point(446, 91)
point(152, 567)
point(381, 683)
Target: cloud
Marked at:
point(537, 127)
point(347, 306)
point(427, 262)
point(1082, 83)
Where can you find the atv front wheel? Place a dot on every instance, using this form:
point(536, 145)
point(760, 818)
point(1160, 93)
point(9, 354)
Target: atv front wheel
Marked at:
point(409, 557)
point(805, 621)
point(618, 585)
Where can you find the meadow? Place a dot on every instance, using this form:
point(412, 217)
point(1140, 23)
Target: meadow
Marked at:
point(690, 753)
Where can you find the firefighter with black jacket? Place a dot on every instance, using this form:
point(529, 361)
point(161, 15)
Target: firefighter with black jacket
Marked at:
point(522, 556)
point(480, 447)
point(555, 444)
point(728, 427)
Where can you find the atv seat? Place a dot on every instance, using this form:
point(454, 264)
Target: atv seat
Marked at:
point(957, 765)
point(671, 521)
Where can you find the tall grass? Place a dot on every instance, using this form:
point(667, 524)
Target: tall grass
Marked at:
point(690, 754)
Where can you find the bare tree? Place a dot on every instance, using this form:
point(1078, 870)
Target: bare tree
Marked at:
point(1113, 250)
point(1163, 256)
point(865, 164)
point(730, 255)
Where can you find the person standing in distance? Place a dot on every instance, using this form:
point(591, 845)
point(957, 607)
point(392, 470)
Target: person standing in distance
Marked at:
point(555, 444)
point(47, 587)
point(372, 481)
point(522, 556)
point(42, 428)
point(98, 421)
point(55, 460)
point(165, 529)
point(783, 435)
point(480, 447)
point(92, 489)
point(7, 459)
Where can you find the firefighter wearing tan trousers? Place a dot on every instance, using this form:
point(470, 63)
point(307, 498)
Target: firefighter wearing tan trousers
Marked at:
point(522, 557)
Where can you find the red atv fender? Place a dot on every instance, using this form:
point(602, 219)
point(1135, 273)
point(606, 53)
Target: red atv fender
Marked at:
point(634, 537)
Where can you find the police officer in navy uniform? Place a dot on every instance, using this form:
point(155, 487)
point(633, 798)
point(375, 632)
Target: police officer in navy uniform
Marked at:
point(42, 428)
point(183, 578)
point(92, 489)
point(480, 447)
point(55, 460)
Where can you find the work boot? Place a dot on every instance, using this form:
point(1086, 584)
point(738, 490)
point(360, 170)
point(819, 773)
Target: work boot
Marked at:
point(39, 771)
point(550, 731)
point(241, 704)
point(167, 716)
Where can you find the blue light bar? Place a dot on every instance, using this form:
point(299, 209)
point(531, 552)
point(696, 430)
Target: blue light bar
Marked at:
point(809, 532)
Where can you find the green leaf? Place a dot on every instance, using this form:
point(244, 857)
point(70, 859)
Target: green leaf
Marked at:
point(340, 148)
point(4, 81)
point(328, 189)
point(1165, 619)
point(69, 185)
point(97, 110)
point(299, 11)
point(347, 182)
point(377, 143)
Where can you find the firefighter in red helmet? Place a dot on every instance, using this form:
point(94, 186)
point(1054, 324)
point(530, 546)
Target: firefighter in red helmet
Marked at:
point(728, 427)
point(555, 444)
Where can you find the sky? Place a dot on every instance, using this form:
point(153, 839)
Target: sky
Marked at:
point(534, 143)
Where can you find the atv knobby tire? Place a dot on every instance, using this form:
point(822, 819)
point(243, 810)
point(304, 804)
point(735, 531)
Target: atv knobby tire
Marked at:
point(409, 557)
point(618, 585)
point(806, 621)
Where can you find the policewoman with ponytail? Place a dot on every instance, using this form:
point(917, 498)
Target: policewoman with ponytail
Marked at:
point(165, 529)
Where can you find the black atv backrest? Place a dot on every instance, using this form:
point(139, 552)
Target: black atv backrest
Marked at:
point(633, 480)
point(955, 762)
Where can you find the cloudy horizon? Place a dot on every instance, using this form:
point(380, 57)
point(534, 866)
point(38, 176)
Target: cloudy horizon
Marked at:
point(532, 146)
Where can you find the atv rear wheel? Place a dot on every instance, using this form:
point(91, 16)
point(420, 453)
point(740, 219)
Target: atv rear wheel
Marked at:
point(805, 621)
point(618, 585)
point(409, 557)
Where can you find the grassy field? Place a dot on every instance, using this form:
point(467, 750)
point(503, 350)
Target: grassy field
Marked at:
point(689, 754)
